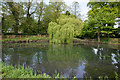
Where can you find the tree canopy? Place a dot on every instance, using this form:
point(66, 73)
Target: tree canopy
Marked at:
point(101, 18)
point(65, 29)
point(35, 17)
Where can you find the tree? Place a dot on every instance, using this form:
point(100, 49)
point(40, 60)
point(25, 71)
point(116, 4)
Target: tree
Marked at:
point(51, 13)
point(30, 9)
point(14, 10)
point(86, 31)
point(101, 18)
point(76, 9)
point(57, 8)
point(39, 12)
point(67, 13)
point(30, 5)
point(29, 28)
point(117, 6)
point(7, 22)
point(65, 29)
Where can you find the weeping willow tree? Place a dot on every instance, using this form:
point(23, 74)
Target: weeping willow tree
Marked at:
point(65, 29)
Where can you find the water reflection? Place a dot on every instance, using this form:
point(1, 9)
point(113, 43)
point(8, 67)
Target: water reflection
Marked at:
point(69, 60)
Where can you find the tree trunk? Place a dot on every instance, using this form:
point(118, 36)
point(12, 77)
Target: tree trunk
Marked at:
point(40, 13)
point(98, 36)
point(39, 21)
point(15, 29)
point(38, 25)
point(75, 11)
point(3, 23)
point(16, 26)
point(15, 12)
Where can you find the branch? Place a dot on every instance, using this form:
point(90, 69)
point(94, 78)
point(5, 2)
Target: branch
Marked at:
point(33, 11)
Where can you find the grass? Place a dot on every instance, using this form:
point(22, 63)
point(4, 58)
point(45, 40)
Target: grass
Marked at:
point(25, 38)
point(104, 40)
point(9, 71)
point(110, 40)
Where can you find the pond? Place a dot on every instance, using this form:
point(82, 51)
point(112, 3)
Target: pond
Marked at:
point(77, 60)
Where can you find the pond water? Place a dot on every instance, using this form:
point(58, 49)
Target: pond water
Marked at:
point(69, 60)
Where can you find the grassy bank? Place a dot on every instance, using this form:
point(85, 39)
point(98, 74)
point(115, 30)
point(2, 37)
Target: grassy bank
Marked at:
point(94, 41)
point(12, 39)
point(111, 40)
point(9, 71)
point(30, 38)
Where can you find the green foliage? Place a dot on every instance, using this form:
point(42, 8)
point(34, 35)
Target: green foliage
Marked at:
point(15, 10)
point(20, 72)
point(87, 31)
point(67, 13)
point(30, 17)
point(7, 22)
point(10, 71)
point(28, 25)
point(65, 29)
point(72, 21)
point(51, 13)
point(101, 19)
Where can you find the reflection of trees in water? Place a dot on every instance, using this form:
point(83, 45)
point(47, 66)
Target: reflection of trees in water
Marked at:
point(20, 54)
point(102, 65)
point(67, 59)
point(117, 64)
point(39, 59)
point(10, 56)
